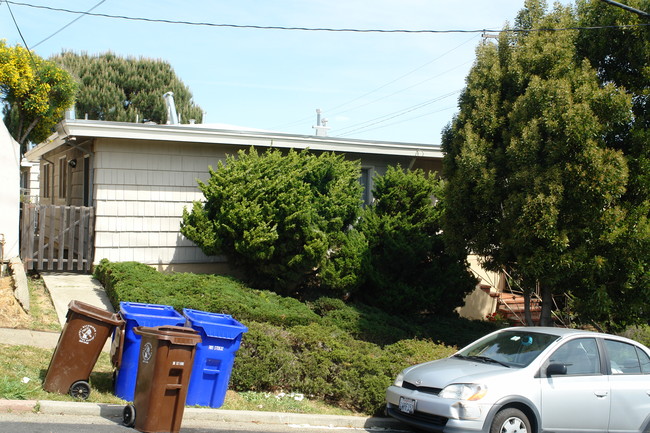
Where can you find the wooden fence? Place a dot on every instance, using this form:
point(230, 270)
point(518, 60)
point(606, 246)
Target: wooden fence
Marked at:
point(57, 238)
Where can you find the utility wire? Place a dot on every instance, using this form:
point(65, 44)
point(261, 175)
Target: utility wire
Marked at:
point(69, 24)
point(385, 118)
point(319, 29)
point(31, 56)
point(332, 112)
point(428, 113)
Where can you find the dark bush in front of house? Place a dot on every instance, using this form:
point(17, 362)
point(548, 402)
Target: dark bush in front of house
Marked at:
point(343, 353)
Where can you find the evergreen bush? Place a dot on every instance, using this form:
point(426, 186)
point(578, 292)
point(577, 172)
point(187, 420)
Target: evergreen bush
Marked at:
point(280, 216)
point(346, 354)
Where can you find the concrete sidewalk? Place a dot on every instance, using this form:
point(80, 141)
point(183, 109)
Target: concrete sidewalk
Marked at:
point(65, 287)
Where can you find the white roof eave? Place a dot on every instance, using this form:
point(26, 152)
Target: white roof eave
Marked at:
point(243, 138)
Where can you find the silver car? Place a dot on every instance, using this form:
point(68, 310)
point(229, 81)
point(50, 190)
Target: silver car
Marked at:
point(529, 379)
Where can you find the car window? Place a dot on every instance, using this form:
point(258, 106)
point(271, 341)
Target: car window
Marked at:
point(626, 358)
point(513, 348)
point(644, 359)
point(580, 356)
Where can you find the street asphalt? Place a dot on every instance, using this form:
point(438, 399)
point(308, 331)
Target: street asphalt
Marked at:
point(65, 287)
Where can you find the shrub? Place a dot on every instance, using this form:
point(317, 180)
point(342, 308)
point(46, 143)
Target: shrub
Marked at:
point(318, 350)
point(135, 282)
point(363, 322)
point(265, 361)
point(408, 270)
point(276, 215)
point(640, 333)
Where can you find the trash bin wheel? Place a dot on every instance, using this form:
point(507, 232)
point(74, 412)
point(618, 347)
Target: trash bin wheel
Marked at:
point(128, 415)
point(80, 389)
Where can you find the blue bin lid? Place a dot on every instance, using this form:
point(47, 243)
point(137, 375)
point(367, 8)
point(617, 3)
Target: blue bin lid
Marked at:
point(214, 324)
point(150, 314)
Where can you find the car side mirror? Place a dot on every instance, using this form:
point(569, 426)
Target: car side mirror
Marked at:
point(556, 369)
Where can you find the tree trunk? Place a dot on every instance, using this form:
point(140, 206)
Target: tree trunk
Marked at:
point(527, 316)
point(547, 307)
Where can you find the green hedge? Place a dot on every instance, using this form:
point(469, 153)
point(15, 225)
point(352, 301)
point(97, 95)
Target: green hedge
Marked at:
point(341, 353)
point(135, 282)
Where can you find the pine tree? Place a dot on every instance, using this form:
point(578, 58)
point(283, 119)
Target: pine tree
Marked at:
point(127, 89)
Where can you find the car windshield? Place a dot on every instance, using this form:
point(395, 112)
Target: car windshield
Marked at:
point(509, 348)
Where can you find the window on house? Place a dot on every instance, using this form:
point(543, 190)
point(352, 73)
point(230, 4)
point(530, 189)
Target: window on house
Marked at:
point(365, 181)
point(63, 177)
point(46, 176)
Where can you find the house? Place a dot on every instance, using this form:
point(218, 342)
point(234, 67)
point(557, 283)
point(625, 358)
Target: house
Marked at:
point(117, 190)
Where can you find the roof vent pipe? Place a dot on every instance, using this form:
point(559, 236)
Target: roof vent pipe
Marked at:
point(172, 116)
point(321, 125)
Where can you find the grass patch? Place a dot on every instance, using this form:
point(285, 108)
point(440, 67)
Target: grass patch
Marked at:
point(24, 369)
point(279, 402)
point(42, 313)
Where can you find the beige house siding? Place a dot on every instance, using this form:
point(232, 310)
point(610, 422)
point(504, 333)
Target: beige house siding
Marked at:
point(141, 189)
point(140, 177)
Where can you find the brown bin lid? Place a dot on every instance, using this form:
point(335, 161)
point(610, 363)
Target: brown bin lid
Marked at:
point(174, 334)
point(95, 312)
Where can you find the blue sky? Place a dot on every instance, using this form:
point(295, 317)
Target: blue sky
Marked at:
point(377, 86)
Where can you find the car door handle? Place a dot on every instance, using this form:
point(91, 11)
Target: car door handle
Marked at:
point(601, 394)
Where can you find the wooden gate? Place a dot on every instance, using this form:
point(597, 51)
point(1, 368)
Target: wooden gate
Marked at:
point(57, 238)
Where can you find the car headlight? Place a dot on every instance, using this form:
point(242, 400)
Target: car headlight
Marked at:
point(464, 391)
point(399, 380)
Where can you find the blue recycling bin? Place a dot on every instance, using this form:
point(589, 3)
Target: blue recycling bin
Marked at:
point(125, 350)
point(220, 339)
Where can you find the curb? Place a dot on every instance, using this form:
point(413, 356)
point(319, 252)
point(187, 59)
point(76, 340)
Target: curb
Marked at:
point(106, 410)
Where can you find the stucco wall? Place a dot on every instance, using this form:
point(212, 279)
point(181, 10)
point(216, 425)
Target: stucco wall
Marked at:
point(10, 192)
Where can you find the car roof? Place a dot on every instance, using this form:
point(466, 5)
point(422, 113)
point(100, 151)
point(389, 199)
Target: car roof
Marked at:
point(560, 332)
point(568, 332)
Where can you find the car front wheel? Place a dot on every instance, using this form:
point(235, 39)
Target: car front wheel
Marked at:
point(510, 421)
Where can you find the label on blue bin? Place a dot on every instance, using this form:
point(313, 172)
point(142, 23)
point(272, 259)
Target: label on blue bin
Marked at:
point(87, 334)
point(219, 348)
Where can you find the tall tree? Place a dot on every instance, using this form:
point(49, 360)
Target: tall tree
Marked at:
point(127, 89)
point(620, 52)
point(534, 185)
point(35, 93)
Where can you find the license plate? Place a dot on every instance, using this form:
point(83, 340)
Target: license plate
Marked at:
point(407, 405)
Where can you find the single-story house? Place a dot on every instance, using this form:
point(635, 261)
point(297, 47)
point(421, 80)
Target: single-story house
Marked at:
point(133, 180)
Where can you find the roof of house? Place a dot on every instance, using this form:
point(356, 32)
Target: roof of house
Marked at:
point(69, 130)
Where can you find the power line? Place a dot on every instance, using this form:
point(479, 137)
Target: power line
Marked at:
point(370, 128)
point(377, 120)
point(69, 24)
point(21, 35)
point(320, 29)
point(331, 111)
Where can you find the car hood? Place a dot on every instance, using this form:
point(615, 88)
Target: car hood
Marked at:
point(442, 372)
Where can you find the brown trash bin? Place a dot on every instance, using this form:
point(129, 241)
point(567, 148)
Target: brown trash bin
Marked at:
point(164, 369)
point(84, 334)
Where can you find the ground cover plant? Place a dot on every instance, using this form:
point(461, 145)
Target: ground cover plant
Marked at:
point(345, 354)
